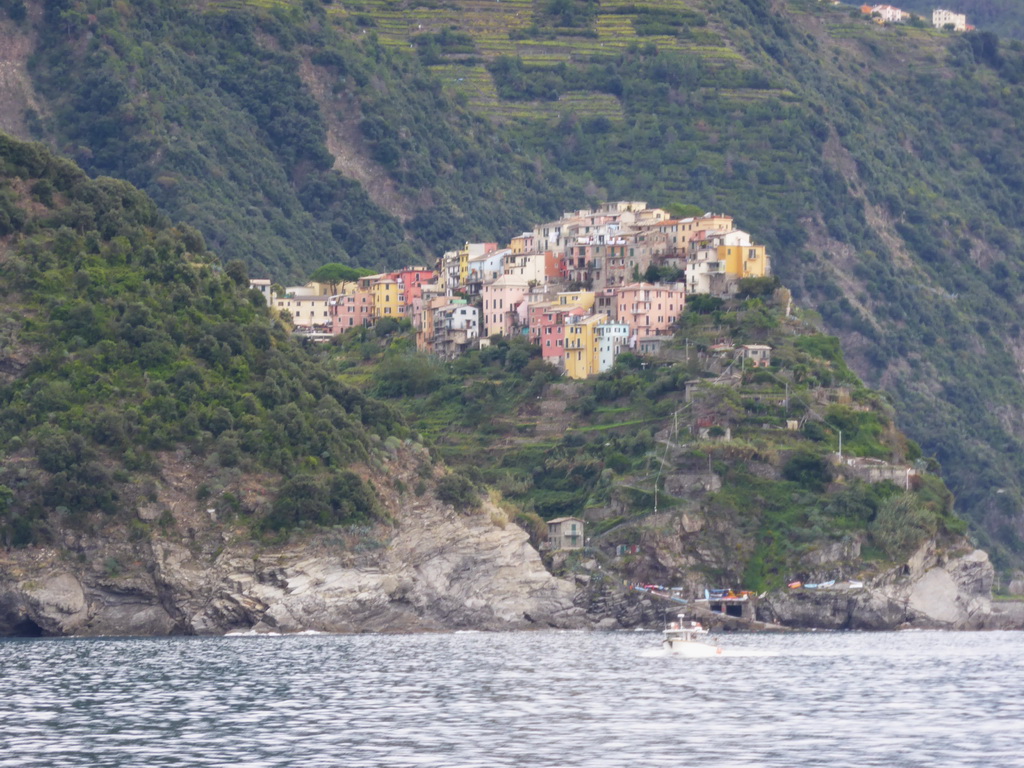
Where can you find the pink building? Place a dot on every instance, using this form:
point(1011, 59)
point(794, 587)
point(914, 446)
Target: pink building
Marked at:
point(500, 308)
point(649, 310)
point(412, 280)
point(349, 310)
point(547, 327)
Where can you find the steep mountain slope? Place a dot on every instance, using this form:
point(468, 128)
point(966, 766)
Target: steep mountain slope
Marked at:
point(124, 340)
point(881, 165)
point(221, 116)
point(172, 461)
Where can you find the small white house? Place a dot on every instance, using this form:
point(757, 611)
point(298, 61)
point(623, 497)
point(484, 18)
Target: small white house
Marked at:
point(757, 355)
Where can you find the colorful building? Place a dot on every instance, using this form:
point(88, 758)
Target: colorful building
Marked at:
point(350, 310)
point(547, 321)
point(581, 355)
point(388, 298)
point(648, 309)
point(501, 300)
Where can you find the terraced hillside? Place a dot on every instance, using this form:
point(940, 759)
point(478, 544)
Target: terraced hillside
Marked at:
point(881, 166)
point(527, 31)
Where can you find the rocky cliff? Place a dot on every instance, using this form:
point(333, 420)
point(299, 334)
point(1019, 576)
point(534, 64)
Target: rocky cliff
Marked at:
point(434, 568)
point(935, 589)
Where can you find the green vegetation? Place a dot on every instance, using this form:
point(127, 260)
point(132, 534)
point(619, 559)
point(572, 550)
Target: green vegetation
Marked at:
point(140, 344)
point(880, 165)
point(606, 448)
point(221, 117)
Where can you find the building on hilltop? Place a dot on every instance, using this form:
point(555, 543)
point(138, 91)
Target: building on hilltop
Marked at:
point(350, 310)
point(449, 327)
point(719, 260)
point(679, 232)
point(942, 19)
point(534, 268)
point(456, 328)
point(756, 355)
point(592, 342)
point(485, 268)
point(546, 328)
point(500, 305)
point(309, 312)
point(886, 14)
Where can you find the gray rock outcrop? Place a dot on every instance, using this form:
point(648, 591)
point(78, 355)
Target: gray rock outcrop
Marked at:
point(439, 569)
point(934, 589)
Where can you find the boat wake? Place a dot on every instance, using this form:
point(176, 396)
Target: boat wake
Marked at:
point(729, 653)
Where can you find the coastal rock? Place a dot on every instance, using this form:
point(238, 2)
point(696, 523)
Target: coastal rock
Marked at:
point(435, 569)
point(932, 590)
point(56, 603)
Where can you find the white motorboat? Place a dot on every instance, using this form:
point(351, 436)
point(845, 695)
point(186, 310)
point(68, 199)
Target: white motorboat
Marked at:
point(685, 638)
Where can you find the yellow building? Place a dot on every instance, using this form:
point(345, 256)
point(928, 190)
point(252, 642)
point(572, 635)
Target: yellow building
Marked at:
point(464, 265)
point(744, 260)
point(581, 346)
point(521, 244)
point(387, 299)
point(584, 299)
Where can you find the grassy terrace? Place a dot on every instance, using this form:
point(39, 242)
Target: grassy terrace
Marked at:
point(489, 22)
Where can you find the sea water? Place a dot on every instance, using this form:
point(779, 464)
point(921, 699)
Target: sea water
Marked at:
point(514, 699)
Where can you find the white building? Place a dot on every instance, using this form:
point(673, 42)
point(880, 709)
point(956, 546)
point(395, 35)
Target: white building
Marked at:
point(612, 338)
point(531, 267)
point(308, 312)
point(890, 14)
point(940, 18)
point(262, 284)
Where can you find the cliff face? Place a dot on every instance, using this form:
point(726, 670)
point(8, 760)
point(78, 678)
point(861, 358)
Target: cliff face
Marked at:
point(435, 568)
point(933, 590)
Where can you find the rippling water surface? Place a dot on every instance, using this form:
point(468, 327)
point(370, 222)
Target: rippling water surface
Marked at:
point(518, 699)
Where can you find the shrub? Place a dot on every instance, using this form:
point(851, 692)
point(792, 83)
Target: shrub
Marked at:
point(901, 524)
point(809, 470)
point(457, 490)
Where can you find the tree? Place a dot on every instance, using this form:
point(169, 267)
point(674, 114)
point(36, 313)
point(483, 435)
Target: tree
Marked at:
point(457, 490)
point(684, 210)
point(335, 273)
point(703, 303)
point(238, 272)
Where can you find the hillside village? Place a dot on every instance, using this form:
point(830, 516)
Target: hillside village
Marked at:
point(583, 288)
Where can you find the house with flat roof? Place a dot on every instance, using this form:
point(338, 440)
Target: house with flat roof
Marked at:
point(565, 533)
